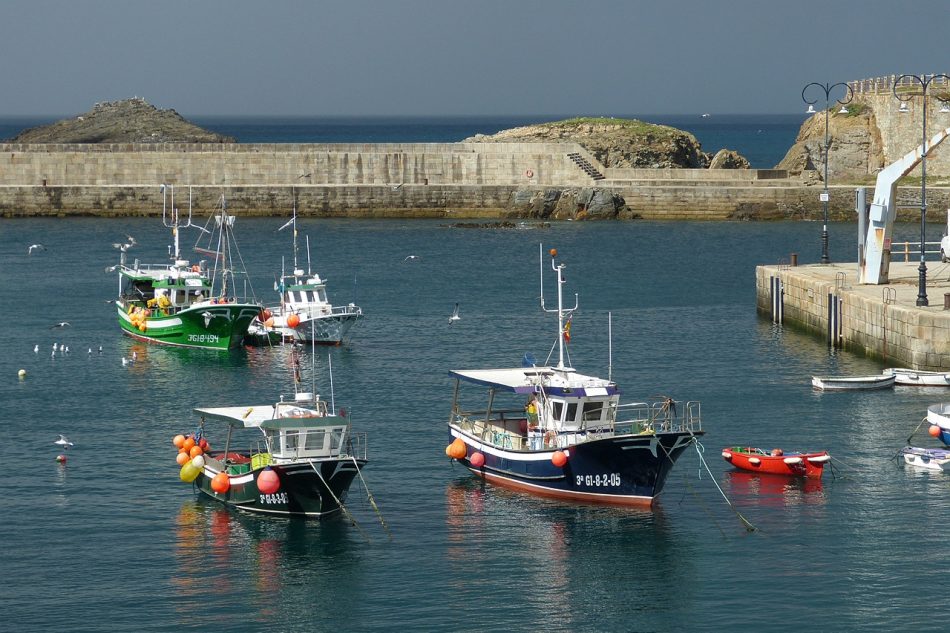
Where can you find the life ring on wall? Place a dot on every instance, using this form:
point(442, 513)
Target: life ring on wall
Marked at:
point(528, 173)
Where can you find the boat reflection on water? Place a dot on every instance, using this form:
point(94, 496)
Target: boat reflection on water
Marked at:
point(223, 554)
point(748, 489)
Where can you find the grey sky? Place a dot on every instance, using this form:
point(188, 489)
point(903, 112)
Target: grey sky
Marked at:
point(450, 57)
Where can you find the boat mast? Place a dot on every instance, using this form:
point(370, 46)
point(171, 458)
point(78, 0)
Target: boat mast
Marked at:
point(561, 311)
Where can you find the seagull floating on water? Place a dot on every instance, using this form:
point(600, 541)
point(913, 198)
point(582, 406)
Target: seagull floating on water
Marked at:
point(408, 257)
point(34, 247)
point(455, 315)
point(36, 349)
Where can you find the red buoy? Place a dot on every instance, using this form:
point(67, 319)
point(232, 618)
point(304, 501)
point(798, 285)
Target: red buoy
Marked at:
point(559, 459)
point(293, 321)
point(477, 460)
point(934, 430)
point(221, 483)
point(268, 482)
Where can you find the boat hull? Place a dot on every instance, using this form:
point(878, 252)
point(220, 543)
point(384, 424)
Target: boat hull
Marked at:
point(793, 464)
point(927, 458)
point(852, 383)
point(328, 329)
point(626, 470)
point(216, 326)
point(913, 378)
point(302, 492)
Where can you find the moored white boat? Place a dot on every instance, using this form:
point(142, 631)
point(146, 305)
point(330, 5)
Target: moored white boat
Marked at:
point(919, 378)
point(304, 314)
point(573, 440)
point(928, 458)
point(852, 383)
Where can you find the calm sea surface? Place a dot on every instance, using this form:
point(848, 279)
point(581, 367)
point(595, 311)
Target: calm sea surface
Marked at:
point(114, 541)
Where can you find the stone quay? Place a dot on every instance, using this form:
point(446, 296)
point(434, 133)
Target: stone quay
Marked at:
point(881, 321)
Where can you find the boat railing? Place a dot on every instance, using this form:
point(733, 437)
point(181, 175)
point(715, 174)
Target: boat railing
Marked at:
point(357, 445)
point(659, 417)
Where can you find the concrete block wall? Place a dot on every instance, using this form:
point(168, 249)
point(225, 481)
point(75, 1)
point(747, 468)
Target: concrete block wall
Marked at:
point(903, 336)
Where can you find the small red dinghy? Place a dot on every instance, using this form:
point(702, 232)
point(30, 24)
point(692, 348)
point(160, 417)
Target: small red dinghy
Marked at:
point(776, 461)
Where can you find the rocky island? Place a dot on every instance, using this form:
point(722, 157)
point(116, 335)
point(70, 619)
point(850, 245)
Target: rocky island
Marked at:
point(127, 121)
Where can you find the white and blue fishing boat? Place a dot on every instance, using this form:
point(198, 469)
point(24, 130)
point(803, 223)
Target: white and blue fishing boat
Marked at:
point(573, 440)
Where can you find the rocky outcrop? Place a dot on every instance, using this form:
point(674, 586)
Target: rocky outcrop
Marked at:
point(128, 121)
point(854, 139)
point(568, 204)
point(614, 142)
point(729, 159)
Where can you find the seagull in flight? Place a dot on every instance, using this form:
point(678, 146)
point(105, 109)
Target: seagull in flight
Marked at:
point(60, 324)
point(63, 441)
point(122, 247)
point(408, 257)
point(33, 247)
point(455, 315)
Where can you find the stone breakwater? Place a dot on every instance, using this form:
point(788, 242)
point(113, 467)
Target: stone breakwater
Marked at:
point(450, 180)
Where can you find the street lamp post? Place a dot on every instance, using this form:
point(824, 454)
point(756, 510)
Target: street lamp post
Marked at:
point(811, 110)
point(904, 97)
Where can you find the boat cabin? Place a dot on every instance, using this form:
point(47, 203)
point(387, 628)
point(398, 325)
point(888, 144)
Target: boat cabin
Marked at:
point(169, 287)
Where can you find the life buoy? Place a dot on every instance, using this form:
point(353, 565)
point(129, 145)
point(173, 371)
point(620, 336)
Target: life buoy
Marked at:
point(528, 173)
point(196, 268)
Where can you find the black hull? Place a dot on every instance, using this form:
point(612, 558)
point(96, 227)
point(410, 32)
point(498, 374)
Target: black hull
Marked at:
point(627, 470)
point(302, 492)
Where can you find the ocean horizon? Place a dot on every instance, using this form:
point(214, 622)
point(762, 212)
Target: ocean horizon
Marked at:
point(763, 139)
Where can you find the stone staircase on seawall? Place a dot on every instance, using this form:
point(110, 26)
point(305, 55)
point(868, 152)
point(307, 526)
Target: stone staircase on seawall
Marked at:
point(585, 165)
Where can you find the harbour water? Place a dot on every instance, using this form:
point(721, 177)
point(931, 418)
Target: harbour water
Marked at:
point(113, 540)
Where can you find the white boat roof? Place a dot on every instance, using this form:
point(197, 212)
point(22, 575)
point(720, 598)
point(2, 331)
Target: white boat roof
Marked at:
point(528, 379)
point(262, 416)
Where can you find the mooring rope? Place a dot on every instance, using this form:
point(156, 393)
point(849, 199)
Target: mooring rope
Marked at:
point(372, 501)
point(699, 451)
point(338, 502)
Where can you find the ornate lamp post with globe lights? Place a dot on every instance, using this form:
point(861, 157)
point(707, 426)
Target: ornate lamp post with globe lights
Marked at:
point(925, 82)
point(828, 88)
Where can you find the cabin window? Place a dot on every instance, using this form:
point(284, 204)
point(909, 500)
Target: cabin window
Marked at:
point(592, 412)
point(321, 295)
point(290, 441)
point(336, 439)
point(316, 440)
point(558, 407)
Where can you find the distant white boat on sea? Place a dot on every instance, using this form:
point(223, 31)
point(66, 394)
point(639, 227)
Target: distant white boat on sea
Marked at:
point(705, 115)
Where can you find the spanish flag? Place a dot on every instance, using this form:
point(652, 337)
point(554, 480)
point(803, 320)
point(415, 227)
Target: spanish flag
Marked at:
point(567, 330)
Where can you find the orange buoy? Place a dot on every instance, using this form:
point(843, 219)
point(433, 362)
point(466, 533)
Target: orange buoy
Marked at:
point(178, 441)
point(934, 430)
point(189, 442)
point(221, 483)
point(559, 459)
point(458, 449)
point(183, 458)
point(553, 252)
point(194, 451)
point(477, 459)
point(293, 321)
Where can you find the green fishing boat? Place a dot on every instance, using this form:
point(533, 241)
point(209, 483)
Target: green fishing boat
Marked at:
point(185, 304)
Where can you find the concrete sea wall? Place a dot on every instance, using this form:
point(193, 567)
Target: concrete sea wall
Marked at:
point(489, 180)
